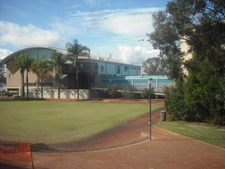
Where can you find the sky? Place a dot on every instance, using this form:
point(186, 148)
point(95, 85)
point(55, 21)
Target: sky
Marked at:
point(107, 27)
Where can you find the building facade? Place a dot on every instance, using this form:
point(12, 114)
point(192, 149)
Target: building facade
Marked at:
point(92, 70)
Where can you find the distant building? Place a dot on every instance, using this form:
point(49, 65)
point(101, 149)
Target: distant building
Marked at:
point(91, 70)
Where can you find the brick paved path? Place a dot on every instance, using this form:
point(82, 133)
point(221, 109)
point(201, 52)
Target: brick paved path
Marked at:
point(166, 150)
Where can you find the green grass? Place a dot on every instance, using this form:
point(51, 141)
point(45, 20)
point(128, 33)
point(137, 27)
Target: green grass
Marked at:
point(57, 122)
point(212, 135)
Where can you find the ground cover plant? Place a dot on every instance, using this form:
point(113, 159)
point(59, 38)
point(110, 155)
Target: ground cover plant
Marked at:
point(58, 122)
point(212, 135)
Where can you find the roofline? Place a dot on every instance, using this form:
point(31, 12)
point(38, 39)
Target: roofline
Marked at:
point(63, 51)
point(4, 61)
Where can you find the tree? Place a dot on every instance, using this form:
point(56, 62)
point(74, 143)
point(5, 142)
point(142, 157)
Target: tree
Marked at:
point(28, 60)
point(221, 93)
point(145, 92)
point(199, 23)
point(74, 51)
point(175, 104)
point(201, 90)
point(2, 74)
point(57, 64)
point(112, 89)
point(22, 63)
point(41, 67)
point(127, 94)
point(167, 40)
point(153, 66)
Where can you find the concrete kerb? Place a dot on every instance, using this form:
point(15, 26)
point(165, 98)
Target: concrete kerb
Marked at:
point(95, 150)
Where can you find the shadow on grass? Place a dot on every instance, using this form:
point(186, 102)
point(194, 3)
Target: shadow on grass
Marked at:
point(40, 147)
point(21, 99)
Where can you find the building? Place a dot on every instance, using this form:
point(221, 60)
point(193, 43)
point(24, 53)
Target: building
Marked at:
point(91, 70)
point(95, 74)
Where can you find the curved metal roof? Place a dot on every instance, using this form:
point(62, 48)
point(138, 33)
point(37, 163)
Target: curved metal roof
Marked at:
point(6, 59)
point(63, 51)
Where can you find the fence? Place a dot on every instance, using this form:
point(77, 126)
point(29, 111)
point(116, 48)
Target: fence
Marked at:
point(15, 155)
point(53, 93)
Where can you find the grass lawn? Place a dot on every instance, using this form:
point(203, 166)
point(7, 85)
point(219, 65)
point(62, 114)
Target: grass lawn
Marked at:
point(57, 122)
point(212, 135)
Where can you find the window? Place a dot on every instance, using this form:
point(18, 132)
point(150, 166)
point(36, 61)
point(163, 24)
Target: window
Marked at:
point(118, 69)
point(125, 68)
point(96, 65)
point(102, 68)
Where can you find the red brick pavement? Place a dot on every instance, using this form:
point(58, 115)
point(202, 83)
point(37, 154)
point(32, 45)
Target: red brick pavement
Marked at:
point(166, 150)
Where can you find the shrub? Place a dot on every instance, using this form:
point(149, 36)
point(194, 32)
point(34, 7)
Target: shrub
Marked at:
point(112, 89)
point(145, 93)
point(127, 94)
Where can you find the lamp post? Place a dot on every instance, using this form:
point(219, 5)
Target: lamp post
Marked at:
point(141, 54)
point(150, 108)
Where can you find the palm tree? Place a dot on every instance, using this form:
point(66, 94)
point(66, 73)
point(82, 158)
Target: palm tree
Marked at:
point(57, 64)
point(22, 63)
point(41, 67)
point(28, 61)
point(74, 50)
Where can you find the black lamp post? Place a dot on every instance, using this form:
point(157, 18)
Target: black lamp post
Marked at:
point(150, 107)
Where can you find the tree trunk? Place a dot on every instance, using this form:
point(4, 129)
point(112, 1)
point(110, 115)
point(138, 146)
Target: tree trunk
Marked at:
point(38, 81)
point(27, 85)
point(59, 88)
point(41, 90)
point(77, 79)
point(22, 83)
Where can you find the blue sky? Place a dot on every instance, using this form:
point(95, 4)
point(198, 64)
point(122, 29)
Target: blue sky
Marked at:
point(105, 26)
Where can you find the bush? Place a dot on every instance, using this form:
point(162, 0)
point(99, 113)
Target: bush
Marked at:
point(127, 94)
point(175, 104)
point(145, 93)
point(112, 89)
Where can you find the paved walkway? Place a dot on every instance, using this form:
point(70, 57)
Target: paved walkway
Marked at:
point(128, 146)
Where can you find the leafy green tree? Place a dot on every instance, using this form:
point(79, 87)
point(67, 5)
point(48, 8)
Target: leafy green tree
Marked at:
point(153, 66)
point(2, 74)
point(198, 23)
point(127, 94)
point(167, 40)
point(167, 90)
point(41, 67)
point(221, 92)
point(200, 92)
point(145, 92)
point(175, 104)
point(112, 89)
point(74, 51)
point(28, 61)
point(22, 63)
point(57, 64)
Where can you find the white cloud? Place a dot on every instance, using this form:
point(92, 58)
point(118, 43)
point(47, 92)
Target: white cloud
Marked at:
point(4, 53)
point(64, 30)
point(129, 54)
point(119, 21)
point(26, 36)
point(129, 24)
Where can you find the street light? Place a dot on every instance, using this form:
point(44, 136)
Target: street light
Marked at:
point(141, 53)
point(150, 107)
